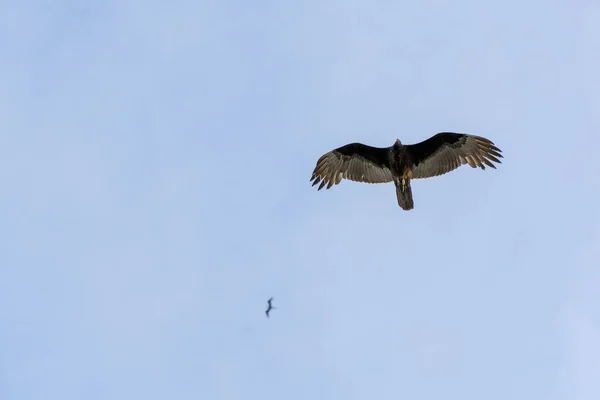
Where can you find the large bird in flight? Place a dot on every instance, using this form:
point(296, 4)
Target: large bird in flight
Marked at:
point(400, 163)
point(270, 307)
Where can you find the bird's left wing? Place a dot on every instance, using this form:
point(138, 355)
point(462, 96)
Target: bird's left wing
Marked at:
point(355, 161)
point(447, 151)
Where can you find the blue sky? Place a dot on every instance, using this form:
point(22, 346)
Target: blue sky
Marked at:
point(155, 161)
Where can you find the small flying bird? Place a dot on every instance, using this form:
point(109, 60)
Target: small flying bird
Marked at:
point(400, 163)
point(270, 307)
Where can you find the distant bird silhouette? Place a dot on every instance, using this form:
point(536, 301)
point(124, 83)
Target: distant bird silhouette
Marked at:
point(401, 163)
point(270, 307)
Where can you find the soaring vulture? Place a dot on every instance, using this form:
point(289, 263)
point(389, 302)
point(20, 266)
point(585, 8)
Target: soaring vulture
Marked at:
point(400, 163)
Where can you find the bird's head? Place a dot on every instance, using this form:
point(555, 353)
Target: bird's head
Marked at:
point(397, 142)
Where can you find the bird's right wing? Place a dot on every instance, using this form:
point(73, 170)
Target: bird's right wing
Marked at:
point(355, 161)
point(447, 151)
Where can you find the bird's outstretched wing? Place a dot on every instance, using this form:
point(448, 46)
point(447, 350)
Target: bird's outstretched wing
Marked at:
point(447, 151)
point(355, 161)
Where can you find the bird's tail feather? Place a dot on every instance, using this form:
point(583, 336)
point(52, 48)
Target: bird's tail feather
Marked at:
point(404, 195)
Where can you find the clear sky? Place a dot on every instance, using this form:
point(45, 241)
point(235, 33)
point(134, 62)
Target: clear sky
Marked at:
point(155, 160)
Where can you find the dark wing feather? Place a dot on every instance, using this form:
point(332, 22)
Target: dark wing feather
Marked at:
point(447, 151)
point(355, 161)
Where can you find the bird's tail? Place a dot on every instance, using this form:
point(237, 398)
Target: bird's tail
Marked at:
point(404, 195)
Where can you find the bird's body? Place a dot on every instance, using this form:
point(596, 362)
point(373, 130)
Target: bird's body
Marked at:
point(270, 307)
point(400, 163)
